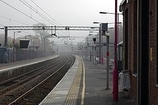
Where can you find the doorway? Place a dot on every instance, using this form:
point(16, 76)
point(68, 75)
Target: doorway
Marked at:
point(143, 53)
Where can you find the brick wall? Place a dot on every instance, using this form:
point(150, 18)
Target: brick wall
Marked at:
point(153, 66)
point(131, 56)
point(153, 45)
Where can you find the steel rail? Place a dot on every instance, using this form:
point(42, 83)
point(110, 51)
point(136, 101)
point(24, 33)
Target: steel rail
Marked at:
point(36, 86)
point(27, 77)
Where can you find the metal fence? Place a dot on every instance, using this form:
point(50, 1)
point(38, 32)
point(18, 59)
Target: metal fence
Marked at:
point(22, 54)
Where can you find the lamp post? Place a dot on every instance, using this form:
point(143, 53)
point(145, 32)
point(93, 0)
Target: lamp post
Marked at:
point(107, 52)
point(117, 22)
point(14, 57)
point(100, 38)
point(115, 71)
point(112, 14)
point(95, 50)
point(99, 41)
point(91, 46)
point(107, 61)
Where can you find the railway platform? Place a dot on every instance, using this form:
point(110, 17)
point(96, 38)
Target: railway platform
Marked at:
point(84, 84)
point(13, 69)
point(17, 64)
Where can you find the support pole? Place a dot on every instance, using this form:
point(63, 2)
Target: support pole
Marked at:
point(107, 63)
point(115, 71)
point(6, 35)
point(14, 48)
point(99, 45)
point(95, 55)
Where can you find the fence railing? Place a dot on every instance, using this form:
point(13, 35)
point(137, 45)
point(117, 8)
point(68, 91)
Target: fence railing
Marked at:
point(22, 54)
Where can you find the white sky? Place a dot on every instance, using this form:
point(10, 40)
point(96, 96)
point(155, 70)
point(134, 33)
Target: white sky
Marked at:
point(64, 12)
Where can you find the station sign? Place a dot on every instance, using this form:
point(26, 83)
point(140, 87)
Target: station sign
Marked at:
point(24, 43)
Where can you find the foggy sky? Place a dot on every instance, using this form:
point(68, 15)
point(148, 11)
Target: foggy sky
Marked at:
point(63, 12)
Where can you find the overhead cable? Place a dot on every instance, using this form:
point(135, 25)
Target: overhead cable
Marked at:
point(13, 20)
point(1, 24)
point(45, 12)
point(37, 12)
point(19, 11)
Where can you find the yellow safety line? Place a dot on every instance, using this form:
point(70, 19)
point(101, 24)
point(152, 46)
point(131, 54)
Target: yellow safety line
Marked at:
point(73, 93)
point(83, 88)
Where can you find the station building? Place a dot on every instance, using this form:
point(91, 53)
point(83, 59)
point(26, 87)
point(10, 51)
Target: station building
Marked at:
point(140, 47)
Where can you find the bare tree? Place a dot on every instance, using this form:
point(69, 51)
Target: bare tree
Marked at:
point(45, 44)
point(10, 41)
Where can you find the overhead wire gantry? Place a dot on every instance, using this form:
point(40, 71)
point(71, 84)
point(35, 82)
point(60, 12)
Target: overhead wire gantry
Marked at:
point(73, 28)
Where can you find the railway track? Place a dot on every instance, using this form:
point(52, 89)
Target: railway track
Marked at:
point(33, 87)
point(5, 86)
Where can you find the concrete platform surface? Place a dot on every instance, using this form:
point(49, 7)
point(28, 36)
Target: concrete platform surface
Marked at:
point(95, 93)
